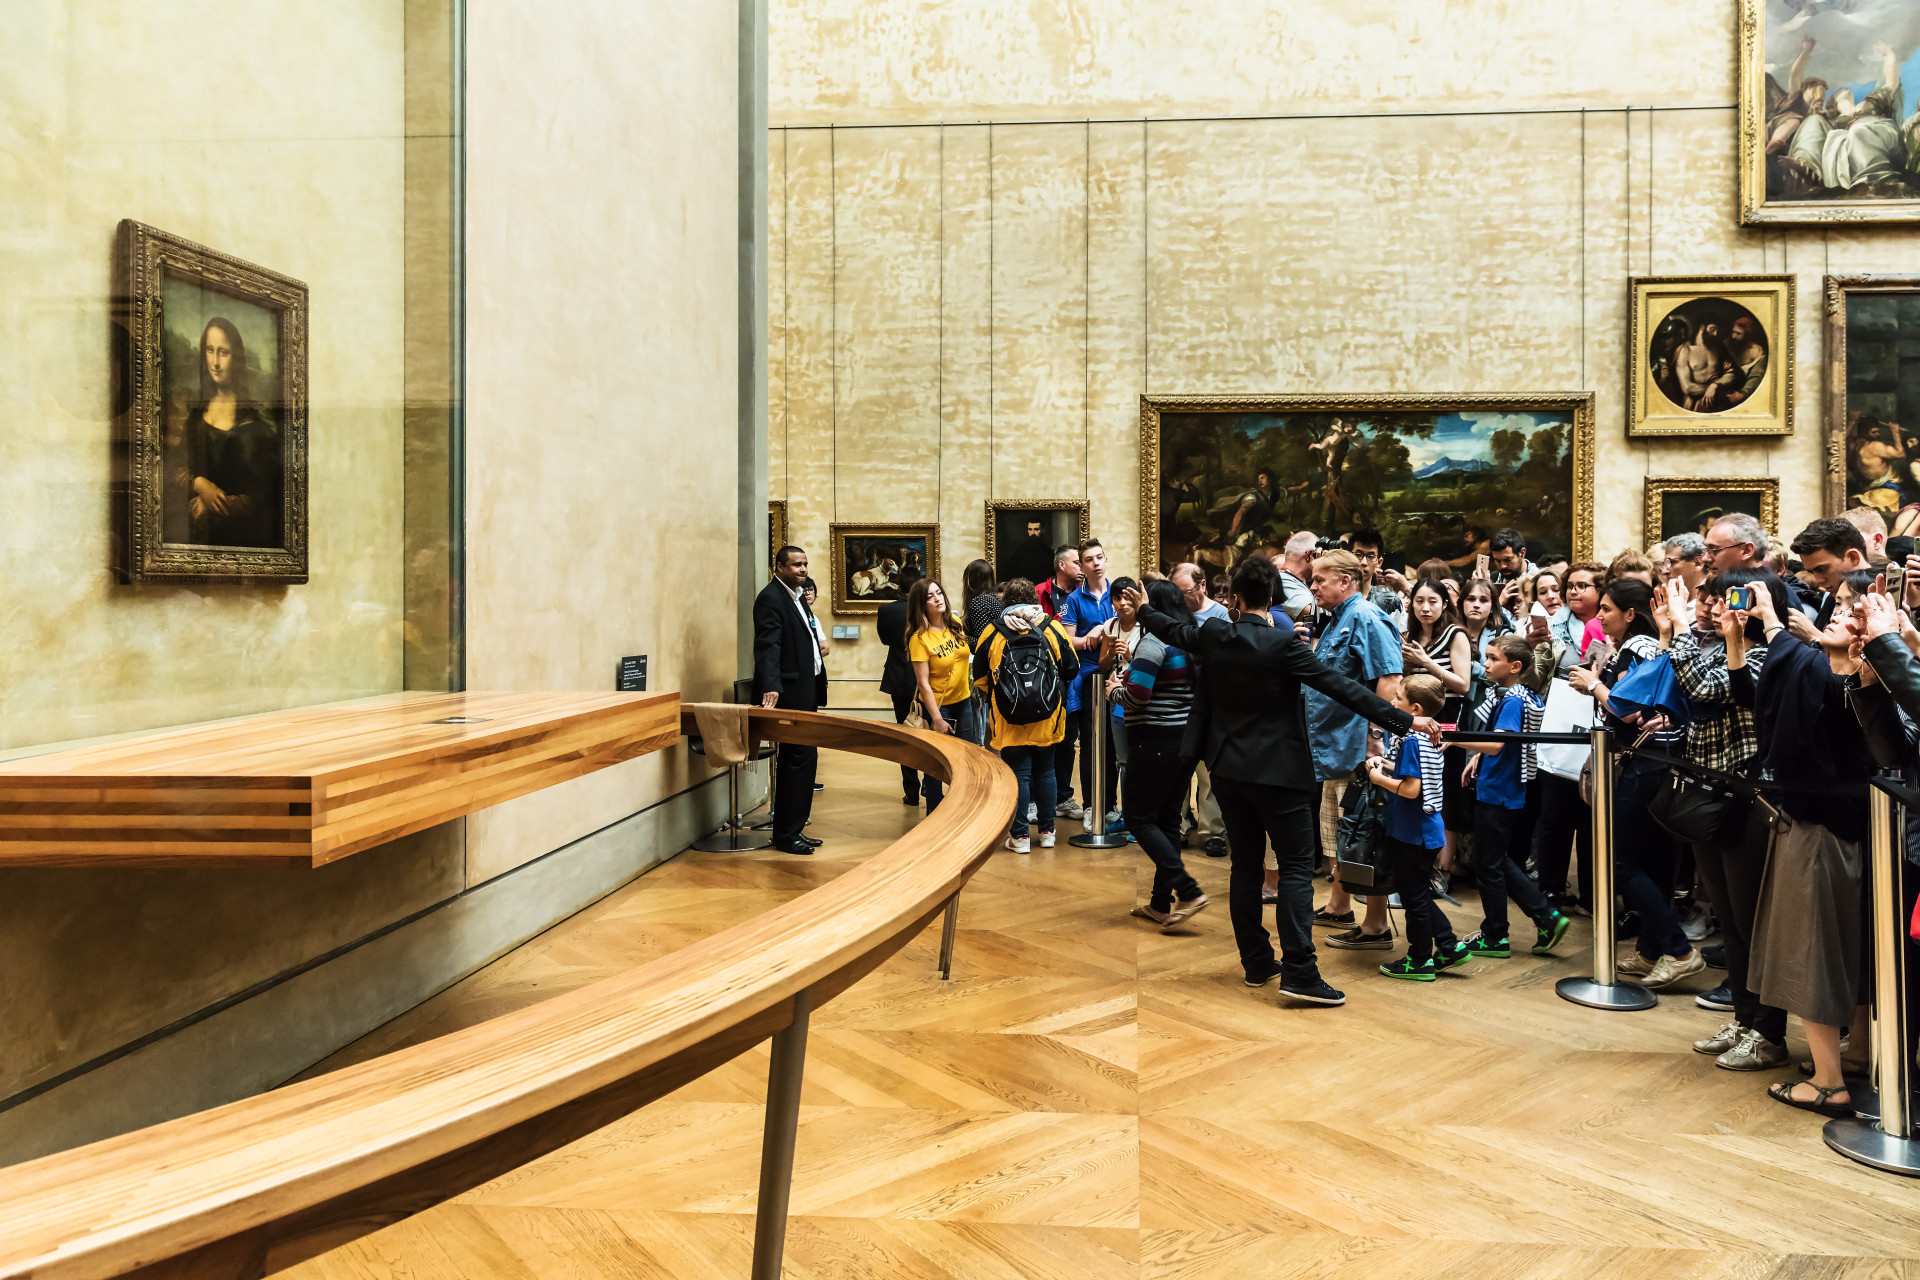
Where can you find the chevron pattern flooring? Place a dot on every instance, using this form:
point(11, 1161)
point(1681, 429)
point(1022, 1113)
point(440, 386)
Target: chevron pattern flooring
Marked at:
point(1088, 1098)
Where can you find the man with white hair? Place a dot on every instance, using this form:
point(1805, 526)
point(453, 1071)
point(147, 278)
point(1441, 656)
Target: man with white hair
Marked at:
point(1685, 557)
point(1735, 541)
point(1296, 567)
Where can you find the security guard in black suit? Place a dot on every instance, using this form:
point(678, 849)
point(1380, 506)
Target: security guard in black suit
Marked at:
point(1248, 727)
point(789, 671)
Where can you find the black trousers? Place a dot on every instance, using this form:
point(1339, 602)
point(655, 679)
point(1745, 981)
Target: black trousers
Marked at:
point(1731, 874)
point(1074, 724)
point(793, 770)
point(1255, 813)
point(1157, 780)
point(1499, 875)
point(1427, 925)
point(909, 780)
point(1566, 826)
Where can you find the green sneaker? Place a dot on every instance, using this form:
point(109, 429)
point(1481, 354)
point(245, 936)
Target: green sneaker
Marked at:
point(1453, 957)
point(1487, 949)
point(1407, 970)
point(1551, 932)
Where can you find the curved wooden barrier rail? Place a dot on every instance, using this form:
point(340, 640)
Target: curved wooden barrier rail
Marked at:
point(261, 1184)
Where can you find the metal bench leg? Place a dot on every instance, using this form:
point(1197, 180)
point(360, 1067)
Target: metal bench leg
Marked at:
point(776, 1147)
point(947, 928)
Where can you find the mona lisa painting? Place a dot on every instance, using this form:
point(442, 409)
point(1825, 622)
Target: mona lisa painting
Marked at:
point(216, 456)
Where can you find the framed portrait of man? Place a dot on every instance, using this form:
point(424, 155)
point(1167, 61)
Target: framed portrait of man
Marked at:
point(1825, 92)
point(1710, 355)
point(1023, 534)
point(1873, 397)
point(868, 561)
point(1676, 506)
point(1224, 477)
point(215, 444)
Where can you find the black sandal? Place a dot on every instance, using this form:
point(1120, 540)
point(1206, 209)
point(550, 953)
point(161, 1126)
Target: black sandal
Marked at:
point(1820, 1105)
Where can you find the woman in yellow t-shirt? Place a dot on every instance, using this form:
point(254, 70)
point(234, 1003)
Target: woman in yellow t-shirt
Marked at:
point(937, 647)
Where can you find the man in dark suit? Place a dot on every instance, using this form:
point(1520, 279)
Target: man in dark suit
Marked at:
point(896, 678)
point(1248, 728)
point(788, 672)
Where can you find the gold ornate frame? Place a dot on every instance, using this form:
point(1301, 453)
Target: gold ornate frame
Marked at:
point(1836, 291)
point(776, 527)
point(147, 257)
point(1768, 487)
point(1084, 527)
point(843, 602)
point(1755, 209)
point(1579, 403)
point(1650, 413)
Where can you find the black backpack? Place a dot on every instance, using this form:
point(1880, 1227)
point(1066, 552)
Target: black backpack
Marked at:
point(1027, 687)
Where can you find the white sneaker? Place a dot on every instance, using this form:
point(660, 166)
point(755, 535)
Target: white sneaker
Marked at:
point(1722, 1040)
point(1067, 809)
point(1046, 839)
point(1086, 819)
point(1696, 923)
point(1033, 812)
point(1019, 844)
point(1754, 1052)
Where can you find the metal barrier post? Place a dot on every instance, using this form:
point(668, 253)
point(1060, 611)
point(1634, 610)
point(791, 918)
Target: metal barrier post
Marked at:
point(948, 925)
point(1603, 990)
point(776, 1145)
point(1102, 797)
point(1886, 1143)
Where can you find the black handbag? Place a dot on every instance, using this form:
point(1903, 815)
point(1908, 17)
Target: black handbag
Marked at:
point(1699, 810)
point(1360, 841)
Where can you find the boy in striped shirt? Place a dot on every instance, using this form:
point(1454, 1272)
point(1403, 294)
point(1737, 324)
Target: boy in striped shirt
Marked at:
point(1409, 770)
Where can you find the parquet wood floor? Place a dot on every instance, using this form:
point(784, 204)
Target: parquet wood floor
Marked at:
point(1089, 1099)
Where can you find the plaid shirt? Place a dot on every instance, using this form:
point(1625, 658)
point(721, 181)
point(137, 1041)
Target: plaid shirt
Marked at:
point(1726, 741)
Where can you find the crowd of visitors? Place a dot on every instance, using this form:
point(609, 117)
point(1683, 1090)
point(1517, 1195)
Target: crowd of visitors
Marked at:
point(1289, 718)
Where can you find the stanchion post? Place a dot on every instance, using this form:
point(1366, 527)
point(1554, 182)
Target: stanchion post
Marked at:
point(1101, 798)
point(950, 922)
point(1886, 1143)
point(1603, 990)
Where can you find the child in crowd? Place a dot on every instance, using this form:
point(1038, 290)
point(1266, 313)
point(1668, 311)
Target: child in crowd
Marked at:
point(1410, 771)
point(1500, 796)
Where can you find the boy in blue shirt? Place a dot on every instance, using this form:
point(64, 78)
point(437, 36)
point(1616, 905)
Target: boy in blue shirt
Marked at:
point(1410, 772)
point(1500, 796)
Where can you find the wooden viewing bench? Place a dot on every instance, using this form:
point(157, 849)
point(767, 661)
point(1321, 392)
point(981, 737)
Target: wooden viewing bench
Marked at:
point(304, 788)
point(258, 1185)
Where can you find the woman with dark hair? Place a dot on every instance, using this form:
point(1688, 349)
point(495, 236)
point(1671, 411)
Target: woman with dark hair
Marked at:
point(1664, 954)
point(980, 599)
point(937, 647)
point(1809, 926)
point(1156, 689)
point(233, 467)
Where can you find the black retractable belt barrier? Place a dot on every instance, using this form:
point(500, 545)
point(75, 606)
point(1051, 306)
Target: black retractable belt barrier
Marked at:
point(1887, 1142)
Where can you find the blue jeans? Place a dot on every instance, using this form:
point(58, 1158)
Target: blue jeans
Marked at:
point(1033, 770)
point(959, 717)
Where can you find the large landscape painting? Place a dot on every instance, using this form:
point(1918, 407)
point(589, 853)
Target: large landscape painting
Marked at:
point(1223, 477)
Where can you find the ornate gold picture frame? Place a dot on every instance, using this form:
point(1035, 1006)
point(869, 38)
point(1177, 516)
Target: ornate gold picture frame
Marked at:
point(1822, 117)
point(1221, 476)
point(866, 559)
point(1014, 550)
point(1873, 391)
point(1710, 355)
point(776, 527)
point(1677, 506)
point(215, 443)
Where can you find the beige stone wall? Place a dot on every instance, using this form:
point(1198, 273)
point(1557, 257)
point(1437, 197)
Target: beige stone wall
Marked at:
point(1366, 242)
point(602, 438)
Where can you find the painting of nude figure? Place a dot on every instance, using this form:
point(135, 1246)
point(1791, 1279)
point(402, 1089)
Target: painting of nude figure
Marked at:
point(1226, 477)
point(1827, 130)
point(1710, 355)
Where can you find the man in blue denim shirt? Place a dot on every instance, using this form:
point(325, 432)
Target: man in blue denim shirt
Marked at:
point(1357, 641)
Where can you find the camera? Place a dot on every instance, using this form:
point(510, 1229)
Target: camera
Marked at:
point(1740, 597)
